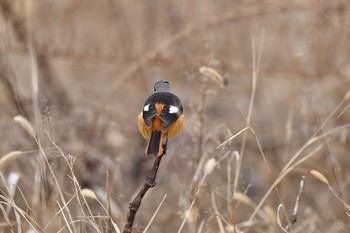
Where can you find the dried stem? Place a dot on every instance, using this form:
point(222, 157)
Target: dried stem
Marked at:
point(150, 183)
point(201, 159)
point(293, 218)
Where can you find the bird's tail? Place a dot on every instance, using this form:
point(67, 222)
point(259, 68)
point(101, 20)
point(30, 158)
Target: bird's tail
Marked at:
point(155, 145)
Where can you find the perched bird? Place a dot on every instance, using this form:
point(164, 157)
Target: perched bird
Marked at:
point(161, 118)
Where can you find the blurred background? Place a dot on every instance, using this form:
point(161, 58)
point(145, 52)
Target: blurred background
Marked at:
point(80, 71)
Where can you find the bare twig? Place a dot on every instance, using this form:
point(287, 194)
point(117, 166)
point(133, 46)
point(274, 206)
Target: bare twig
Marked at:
point(207, 169)
point(217, 213)
point(293, 218)
point(290, 165)
point(7, 77)
point(155, 213)
point(150, 183)
point(255, 71)
point(201, 157)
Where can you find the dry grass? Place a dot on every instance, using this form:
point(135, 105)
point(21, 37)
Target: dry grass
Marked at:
point(265, 88)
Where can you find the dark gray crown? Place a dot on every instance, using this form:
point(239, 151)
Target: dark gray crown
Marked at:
point(162, 86)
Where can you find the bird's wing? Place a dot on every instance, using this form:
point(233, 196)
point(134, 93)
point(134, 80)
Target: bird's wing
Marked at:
point(149, 112)
point(169, 115)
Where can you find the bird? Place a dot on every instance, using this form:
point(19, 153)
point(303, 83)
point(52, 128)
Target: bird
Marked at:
point(162, 117)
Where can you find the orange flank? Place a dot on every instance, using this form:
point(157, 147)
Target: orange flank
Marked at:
point(144, 129)
point(176, 127)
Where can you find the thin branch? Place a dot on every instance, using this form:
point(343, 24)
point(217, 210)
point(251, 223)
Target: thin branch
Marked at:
point(155, 213)
point(150, 183)
point(217, 213)
point(293, 218)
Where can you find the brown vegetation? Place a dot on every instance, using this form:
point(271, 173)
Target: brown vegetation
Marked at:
point(265, 88)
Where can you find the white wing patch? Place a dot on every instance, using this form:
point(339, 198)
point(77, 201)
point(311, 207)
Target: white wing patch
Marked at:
point(146, 108)
point(173, 109)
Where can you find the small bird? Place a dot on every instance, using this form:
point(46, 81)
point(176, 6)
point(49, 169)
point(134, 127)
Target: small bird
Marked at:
point(162, 117)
